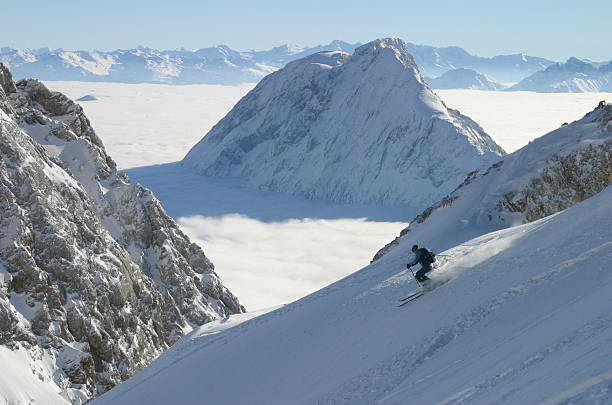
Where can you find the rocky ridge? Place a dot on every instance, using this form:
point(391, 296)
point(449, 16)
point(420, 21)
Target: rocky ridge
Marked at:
point(550, 174)
point(350, 128)
point(95, 279)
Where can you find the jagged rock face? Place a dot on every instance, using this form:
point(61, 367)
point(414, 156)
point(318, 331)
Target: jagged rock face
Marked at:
point(552, 173)
point(95, 276)
point(360, 128)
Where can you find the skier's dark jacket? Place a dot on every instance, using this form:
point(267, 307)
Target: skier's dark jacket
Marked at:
point(419, 257)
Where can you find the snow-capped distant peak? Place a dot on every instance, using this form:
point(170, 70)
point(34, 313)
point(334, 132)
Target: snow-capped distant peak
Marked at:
point(574, 75)
point(465, 79)
point(388, 46)
point(98, 64)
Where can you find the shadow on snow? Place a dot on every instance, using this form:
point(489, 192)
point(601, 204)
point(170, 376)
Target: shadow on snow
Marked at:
point(185, 193)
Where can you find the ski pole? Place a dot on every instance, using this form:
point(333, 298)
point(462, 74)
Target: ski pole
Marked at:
point(414, 276)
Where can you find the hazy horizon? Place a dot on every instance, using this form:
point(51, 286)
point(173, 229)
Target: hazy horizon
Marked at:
point(537, 29)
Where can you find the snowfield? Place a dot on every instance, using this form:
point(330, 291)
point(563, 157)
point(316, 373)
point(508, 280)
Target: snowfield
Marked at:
point(524, 317)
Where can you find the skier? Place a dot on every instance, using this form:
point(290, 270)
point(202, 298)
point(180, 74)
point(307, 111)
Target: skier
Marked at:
point(424, 257)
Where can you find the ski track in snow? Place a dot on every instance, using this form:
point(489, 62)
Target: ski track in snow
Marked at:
point(396, 370)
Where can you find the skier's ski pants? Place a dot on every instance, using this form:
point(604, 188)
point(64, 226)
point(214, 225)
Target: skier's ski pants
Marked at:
point(420, 275)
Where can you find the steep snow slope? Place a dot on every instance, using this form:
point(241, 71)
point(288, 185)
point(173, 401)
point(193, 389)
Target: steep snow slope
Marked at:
point(465, 79)
point(574, 76)
point(523, 318)
point(360, 128)
point(549, 174)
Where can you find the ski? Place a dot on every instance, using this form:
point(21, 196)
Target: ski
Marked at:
point(414, 297)
point(411, 295)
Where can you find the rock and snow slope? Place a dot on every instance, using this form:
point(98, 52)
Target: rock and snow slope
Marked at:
point(465, 79)
point(95, 279)
point(525, 317)
point(551, 173)
point(360, 128)
point(573, 76)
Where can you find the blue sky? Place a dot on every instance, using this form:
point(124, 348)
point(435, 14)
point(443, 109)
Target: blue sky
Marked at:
point(553, 29)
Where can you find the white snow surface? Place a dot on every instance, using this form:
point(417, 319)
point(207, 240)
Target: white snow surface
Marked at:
point(360, 128)
point(524, 317)
point(31, 378)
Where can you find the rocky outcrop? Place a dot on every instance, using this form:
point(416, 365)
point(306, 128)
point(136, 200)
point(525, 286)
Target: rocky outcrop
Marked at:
point(95, 276)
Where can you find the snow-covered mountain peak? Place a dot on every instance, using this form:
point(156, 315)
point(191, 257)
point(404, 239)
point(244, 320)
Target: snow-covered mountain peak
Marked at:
point(386, 47)
point(576, 65)
point(360, 128)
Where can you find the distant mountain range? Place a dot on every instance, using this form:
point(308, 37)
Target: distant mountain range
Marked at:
point(215, 65)
point(433, 61)
point(445, 66)
point(465, 79)
point(573, 76)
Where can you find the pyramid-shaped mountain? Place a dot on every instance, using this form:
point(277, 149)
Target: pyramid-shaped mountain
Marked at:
point(350, 128)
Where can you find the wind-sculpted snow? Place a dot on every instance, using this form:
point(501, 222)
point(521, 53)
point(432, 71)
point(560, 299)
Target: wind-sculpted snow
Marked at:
point(360, 128)
point(524, 317)
point(95, 279)
point(573, 76)
point(550, 174)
